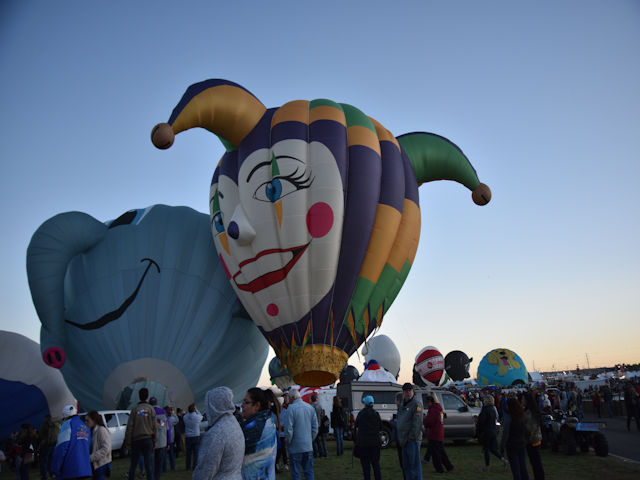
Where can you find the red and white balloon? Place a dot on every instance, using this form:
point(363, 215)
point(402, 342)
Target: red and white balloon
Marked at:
point(430, 365)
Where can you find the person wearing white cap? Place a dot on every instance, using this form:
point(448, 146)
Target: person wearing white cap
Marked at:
point(72, 456)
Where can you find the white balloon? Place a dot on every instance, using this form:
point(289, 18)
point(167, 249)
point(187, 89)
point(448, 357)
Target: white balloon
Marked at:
point(382, 349)
point(21, 361)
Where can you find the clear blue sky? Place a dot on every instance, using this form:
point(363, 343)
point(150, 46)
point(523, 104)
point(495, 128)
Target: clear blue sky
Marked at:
point(543, 97)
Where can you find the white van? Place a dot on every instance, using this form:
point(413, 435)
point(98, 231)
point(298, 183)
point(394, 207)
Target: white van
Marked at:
point(116, 423)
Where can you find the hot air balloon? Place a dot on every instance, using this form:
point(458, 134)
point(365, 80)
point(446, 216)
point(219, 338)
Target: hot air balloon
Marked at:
point(314, 211)
point(30, 389)
point(382, 349)
point(140, 301)
point(279, 376)
point(456, 364)
point(430, 365)
point(349, 374)
point(501, 367)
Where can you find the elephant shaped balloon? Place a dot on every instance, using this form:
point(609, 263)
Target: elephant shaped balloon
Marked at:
point(315, 214)
point(140, 301)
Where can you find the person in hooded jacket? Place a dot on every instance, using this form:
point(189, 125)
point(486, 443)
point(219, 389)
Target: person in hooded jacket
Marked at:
point(222, 447)
point(100, 446)
point(488, 432)
point(434, 427)
point(71, 457)
point(368, 428)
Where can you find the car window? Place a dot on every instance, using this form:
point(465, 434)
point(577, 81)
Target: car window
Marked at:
point(381, 397)
point(451, 402)
point(124, 418)
point(110, 420)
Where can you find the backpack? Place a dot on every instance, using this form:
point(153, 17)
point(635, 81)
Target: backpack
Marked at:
point(324, 424)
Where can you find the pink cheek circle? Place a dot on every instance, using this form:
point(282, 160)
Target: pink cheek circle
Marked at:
point(319, 219)
point(272, 310)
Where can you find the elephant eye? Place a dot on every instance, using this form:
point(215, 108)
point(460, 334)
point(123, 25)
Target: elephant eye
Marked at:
point(125, 219)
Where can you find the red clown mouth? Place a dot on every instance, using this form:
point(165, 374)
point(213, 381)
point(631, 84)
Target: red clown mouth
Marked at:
point(273, 277)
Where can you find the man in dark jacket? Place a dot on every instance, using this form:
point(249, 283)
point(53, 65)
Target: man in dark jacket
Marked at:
point(368, 427)
point(631, 405)
point(409, 429)
point(434, 427)
point(48, 440)
point(140, 435)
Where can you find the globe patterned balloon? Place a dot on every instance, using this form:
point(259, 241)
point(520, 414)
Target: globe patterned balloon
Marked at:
point(502, 367)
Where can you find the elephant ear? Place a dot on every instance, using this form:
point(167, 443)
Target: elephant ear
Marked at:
point(52, 247)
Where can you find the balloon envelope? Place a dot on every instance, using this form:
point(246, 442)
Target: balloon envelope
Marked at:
point(382, 349)
point(142, 298)
point(457, 364)
point(279, 376)
point(430, 365)
point(349, 374)
point(501, 367)
point(315, 267)
point(30, 389)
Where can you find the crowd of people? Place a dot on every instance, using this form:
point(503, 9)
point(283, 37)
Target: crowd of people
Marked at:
point(265, 435)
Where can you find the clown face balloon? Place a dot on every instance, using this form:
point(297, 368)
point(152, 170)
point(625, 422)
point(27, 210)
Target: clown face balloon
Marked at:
point(315, 217)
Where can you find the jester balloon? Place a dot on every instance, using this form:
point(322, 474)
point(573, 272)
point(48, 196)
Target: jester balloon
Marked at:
point(456, 364)
point(382, 349)
point(430, 365)
point(314, 210)
point(30, 389)
point(279, 376)
point(139, 301)
point(502, 367)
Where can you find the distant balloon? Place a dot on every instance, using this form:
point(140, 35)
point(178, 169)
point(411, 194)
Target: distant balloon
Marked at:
point(430, 365)
point(30, 389)
point(349, 374)
point(456, 363)
point(279, 376)
point(314, 211)
point(502, 367)
point(382, 349)
point(140, 301)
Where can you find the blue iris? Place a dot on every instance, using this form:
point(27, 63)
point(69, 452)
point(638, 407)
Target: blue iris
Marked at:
point(217, 221)
point(273, 190)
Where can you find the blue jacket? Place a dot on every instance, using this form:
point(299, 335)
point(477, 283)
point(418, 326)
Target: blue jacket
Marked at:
point(300, 427)
point(71, 457)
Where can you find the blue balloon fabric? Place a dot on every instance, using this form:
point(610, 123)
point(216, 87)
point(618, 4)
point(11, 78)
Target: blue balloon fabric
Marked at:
point(502, 367)
point(142, 298)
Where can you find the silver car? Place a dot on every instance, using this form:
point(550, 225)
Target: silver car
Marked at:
point(459, 418)
point(116, 423)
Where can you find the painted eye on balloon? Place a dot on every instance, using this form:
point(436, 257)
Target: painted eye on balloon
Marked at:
point(282, 186)
point(217, 221)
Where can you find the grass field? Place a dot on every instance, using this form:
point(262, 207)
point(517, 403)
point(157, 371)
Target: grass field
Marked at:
point(466, 458)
